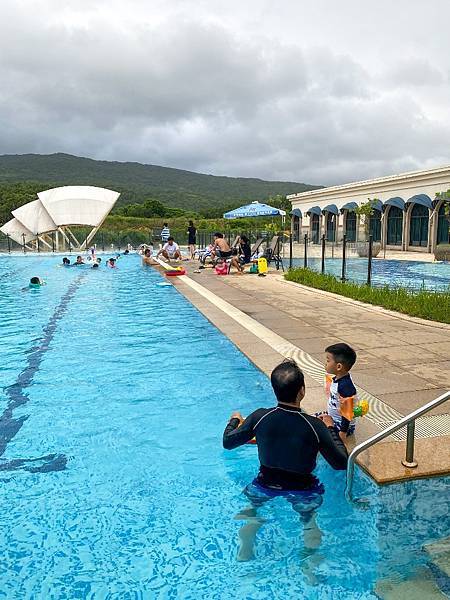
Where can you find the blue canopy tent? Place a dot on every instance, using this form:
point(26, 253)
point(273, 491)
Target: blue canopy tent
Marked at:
point(255, 209)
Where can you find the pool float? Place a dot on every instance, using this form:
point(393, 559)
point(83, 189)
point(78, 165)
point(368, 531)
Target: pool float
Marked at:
point(176, 271)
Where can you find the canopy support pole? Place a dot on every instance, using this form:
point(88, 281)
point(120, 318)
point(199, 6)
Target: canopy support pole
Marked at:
point(91, 235)
point(73, 237)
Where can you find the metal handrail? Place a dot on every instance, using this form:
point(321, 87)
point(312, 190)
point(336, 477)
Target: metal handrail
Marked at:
point(407, 420)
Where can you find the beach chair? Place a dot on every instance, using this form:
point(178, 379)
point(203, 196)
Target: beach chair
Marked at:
point(256, 246)
point(272, 252)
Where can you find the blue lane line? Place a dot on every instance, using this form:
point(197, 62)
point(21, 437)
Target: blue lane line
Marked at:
point(9, 425)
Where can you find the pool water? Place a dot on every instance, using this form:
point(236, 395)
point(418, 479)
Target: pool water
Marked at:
point(114, 483)
point(401, 273)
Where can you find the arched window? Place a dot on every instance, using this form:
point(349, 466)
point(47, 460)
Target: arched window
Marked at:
point(350, 225)
point(331, 227)
point(419, 223)
point(443, 229)
point(315, 228)
point(394, 226)
point(375, 225)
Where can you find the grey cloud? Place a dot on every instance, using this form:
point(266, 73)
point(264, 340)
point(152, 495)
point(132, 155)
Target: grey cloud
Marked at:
point(202, 94)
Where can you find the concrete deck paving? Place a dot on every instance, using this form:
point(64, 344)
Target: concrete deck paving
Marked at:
point(402, 363)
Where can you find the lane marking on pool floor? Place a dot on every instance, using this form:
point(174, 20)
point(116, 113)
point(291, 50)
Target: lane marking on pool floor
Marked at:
point(381, 414)
point(10, 425)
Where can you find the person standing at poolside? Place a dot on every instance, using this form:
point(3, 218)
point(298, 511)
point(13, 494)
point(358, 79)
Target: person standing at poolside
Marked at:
point(289, 441)
point(192, 238)
point(165, 234)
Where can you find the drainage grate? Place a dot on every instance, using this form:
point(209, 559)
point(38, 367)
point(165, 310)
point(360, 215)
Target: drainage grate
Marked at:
point(426, 427)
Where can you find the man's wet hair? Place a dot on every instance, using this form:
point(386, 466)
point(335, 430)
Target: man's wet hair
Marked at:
point(147, 250)
point(287, 379)
point(35, 280)
point(170, 239)
point(66, 261)
point(342, 353)
point(218, 234)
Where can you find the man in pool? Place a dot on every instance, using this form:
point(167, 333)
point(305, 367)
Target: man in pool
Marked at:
point(147, 258)
point(289, 441)
point(79, 261)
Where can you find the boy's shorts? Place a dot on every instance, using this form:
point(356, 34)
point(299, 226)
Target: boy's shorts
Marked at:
point(305, 502)
point(350, 430)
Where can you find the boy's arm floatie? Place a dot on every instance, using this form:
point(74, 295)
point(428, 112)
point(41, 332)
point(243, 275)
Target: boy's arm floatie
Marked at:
point(349, 411)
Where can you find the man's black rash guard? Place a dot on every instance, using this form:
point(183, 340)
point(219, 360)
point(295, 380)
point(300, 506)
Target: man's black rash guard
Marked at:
point(288, 443)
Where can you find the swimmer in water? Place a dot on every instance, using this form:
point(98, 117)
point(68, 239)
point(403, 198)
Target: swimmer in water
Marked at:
point(147, 259)
point(35, 283)
point(111, 263)
point(95, 266)
point(79, 261)
point(66, 262)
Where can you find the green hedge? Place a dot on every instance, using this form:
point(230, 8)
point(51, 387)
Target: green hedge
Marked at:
point(426, 304)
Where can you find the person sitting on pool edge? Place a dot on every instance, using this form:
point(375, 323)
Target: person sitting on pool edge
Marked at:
point(289, 441)
point(170, 250)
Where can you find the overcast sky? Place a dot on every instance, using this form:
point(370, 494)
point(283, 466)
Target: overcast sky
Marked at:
point(321, 92)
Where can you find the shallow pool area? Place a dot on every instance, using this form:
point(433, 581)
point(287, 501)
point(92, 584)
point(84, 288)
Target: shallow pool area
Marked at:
point(400, 273)
point(114, 484)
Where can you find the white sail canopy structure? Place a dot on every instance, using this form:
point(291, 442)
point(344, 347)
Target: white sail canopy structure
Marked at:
point(56, 210)
point(34, 217)
point(17, 232)
point(78, 205)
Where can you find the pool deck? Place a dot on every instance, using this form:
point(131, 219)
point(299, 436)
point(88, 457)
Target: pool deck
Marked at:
point(402, 363)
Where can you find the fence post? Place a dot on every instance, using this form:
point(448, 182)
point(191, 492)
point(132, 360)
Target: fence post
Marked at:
point(103, 241)
point(323, 254)
point(344, 249)
point(38, 245)
point(369, 262)
point(23, 239)
point(305, 257)
point(53, 241)
point(70, 245)
point(9, 243)
point(290, 250)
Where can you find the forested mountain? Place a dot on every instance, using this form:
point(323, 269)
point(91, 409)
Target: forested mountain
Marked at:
point(206, 194)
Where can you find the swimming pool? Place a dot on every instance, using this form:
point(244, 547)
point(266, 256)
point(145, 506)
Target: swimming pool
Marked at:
point(404, 273)
point(118, 391)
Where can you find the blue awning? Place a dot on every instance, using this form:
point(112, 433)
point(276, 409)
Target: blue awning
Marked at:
point(422, 199)
point(331, 208)
point(297, 213)
point(315, 210)
point(377, 205)
point(351, 206)
point(397, 201)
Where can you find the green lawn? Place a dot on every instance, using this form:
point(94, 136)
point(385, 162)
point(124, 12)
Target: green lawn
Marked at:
point(426, 304)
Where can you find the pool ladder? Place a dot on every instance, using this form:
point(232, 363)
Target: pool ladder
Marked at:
point(409, 421)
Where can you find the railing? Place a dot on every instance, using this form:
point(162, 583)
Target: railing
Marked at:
point(409, 422)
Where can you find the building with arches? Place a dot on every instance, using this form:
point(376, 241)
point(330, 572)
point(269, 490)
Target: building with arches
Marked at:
point(408, 213)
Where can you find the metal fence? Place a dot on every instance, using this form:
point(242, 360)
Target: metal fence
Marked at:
point(106, 240)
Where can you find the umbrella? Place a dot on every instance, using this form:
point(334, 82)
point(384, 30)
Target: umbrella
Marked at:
point(255, 209)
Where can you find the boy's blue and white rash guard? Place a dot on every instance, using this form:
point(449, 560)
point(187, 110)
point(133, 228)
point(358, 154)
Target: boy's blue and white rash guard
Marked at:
point(341, 388)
